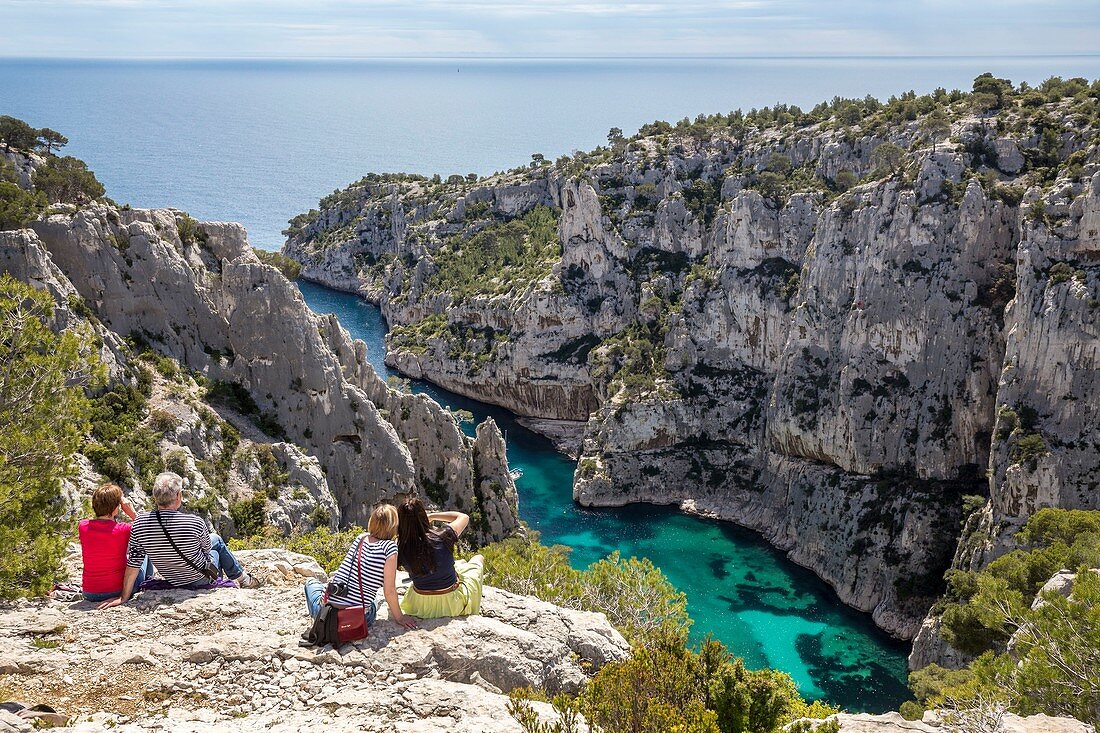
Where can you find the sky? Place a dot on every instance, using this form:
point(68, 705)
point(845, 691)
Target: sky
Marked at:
point(535, 28)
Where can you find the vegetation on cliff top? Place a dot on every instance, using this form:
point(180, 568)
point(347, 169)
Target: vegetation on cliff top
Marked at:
point(501, 258)
point(56, 180)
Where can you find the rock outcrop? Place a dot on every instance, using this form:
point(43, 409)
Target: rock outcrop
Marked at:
point(230, 660)
point(830, 364)
point(337, 437)
point(935, 723)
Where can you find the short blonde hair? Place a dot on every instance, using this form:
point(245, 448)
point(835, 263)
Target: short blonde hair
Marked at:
point(106, 499)
point(383, 522)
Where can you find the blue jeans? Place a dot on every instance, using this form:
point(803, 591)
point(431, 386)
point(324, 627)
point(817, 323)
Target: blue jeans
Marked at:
point(224, 559)
point(315, 590)
point(145, 571)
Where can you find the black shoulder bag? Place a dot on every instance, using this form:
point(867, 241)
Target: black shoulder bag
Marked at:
point(210, 572)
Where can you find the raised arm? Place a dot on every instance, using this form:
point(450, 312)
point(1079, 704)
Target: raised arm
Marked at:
point(389, 590)
point(458, 521)
point(128, 509)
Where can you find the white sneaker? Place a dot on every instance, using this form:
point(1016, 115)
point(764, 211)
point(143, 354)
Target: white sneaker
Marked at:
point(248, 581)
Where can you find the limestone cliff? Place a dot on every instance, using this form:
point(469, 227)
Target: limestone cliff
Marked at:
point(792, 321)
point(313, 427)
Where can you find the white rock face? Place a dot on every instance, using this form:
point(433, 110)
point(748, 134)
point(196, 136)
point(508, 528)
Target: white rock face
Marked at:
point(229, 660)
point(209, 303)
point(894, 723)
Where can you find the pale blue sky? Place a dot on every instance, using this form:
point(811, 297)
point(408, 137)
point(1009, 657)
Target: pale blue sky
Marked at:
point(373, 28)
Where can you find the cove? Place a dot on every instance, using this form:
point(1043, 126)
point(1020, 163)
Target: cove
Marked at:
point(763, 607)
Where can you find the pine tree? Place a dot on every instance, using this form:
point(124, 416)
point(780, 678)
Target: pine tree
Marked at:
point(43, 420)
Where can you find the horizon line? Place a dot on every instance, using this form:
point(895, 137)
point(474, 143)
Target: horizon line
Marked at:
point(542, 57)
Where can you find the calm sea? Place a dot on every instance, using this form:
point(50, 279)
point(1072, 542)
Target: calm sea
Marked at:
point(258, 142)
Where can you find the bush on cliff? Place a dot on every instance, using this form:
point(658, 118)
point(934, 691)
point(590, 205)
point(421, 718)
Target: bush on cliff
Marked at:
point(500, 258)
point(1052, 664)
point(44, 415)
point(18, 208)
point(635, 595)
point(290, 268)
point(67, 180)
point(664, 686)
point(977, 616)
point(322, 544)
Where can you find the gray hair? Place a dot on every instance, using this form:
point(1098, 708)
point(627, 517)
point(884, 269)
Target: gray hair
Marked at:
point(166, 487)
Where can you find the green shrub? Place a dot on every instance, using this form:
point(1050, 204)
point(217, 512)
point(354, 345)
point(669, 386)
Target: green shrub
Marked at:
point(664, 686)
point(67, 180)
point(234, 396)
point(322, 544)
point(189, 230)
point(291, 269)
point(44, 416)
point(248, 514)
point(500, 258)
point(978, 615)
point(636, 597)
point(18, 208)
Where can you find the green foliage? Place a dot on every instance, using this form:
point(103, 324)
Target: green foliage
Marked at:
point(44, 415)
point(67, 180)
point(17, 134)
point(122, 448)
point(291, 269)
point(271, 477)
point(415, 336)
point(50, 139)
point(234, 396)
point(887, 159)
point(500, 258)
point(1053, 669)
point(981, 606)
point(633, 361)
point(664, 686)
point(635, 595)
point(322, 544)
point(189, 230)
point(18, 208)
point(248, 514)
point(845, 179)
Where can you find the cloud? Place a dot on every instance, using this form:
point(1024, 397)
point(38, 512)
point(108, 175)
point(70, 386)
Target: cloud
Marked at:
point(280, 28)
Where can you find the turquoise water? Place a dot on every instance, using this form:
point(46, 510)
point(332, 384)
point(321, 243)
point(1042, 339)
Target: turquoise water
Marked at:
point(763, 607)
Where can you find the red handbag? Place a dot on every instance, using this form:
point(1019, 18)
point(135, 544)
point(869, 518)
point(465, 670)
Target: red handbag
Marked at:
point(351, 621)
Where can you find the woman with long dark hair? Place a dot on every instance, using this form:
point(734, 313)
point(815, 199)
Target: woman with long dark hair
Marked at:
point(442, 586)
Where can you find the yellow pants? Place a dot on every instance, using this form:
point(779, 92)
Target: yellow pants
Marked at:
point(462, 601)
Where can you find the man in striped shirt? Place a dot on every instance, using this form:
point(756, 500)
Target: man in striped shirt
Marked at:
point(180, 545)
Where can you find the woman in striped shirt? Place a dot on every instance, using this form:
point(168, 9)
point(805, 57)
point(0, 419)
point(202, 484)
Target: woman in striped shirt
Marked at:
point(370, 564)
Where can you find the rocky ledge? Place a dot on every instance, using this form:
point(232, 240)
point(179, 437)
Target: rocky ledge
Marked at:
point(230, 661)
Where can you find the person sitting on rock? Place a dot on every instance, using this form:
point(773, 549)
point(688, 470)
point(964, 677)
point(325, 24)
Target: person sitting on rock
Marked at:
point(370, 564)
point(180, 545)
point(441, 585)
point(103, 543)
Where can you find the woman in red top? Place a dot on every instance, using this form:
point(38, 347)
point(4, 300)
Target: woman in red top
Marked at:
point(103, 542)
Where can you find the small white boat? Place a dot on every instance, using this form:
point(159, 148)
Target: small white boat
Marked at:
point(516, 473)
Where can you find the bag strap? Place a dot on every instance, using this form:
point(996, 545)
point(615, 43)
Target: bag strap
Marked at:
point(359, 564)
point(359, 570)
point(190, 563)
